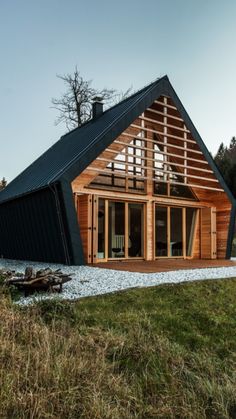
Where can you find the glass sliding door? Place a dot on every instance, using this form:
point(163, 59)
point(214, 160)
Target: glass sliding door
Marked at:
point(176, 231)
point(135, 230)
point(161, 231)
point(116, 229)
point(191, 214)
point(120, 230)
point(101, 229)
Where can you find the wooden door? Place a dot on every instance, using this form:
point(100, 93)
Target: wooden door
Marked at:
point(84, 212)
point(208, 233)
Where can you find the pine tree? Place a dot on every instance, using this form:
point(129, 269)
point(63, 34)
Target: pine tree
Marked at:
point(225, 160)
point(3, 183)
point(232, 143)
point(220, 155)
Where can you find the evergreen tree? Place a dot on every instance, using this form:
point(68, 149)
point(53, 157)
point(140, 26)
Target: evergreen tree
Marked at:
point(225, 160)
point(3, 183)
point(232, 143)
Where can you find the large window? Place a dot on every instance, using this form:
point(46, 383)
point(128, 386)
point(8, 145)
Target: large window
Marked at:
point(116, 231)
point(126, 172)
point(120, 232)
point(101, 229)
point(161, 231)
point(174, 231)
point(191, 214)
point(135, 227)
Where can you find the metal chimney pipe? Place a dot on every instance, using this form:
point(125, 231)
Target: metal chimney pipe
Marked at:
point(97, 109)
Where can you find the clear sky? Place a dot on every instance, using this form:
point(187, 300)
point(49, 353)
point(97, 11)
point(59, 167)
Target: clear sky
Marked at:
point(117, 44)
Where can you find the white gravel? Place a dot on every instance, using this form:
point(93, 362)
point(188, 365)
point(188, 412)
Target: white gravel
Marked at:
point(88, 281)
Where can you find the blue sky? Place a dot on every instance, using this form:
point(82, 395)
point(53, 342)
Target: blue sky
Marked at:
point(117, 44)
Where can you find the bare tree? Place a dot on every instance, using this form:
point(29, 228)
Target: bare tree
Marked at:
point(3, 183)
point(75, 105)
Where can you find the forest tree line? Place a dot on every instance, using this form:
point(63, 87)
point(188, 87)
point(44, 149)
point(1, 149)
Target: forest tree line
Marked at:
point(225, 160)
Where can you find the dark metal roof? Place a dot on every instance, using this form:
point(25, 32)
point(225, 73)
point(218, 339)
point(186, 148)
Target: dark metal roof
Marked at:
point(52, 164)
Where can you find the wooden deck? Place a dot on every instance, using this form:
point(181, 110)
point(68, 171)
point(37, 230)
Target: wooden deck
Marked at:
point(164, 265)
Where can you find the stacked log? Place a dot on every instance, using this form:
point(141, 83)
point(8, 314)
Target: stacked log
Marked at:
point(41, 280)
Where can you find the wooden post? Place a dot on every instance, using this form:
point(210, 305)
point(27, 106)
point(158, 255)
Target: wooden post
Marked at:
point(185, 156)
point(184, 231)
point(149, 231)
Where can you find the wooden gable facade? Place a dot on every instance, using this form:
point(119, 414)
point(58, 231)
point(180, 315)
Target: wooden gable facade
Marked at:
point(152, 194)
point(135, 182)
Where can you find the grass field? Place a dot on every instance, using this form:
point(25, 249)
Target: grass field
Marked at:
point(161, 352)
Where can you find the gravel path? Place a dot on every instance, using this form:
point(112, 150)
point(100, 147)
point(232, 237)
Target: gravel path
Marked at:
point(88, 281)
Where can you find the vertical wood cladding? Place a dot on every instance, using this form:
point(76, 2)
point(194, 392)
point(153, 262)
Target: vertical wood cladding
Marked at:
point(30, 229)
point(85, 222)
point(208, 233)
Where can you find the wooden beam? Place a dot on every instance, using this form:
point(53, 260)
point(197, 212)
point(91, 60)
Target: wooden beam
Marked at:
point(145, 158)
point(168, 232)
point(168, 200)
point(155, 121)
point(154, 131)
point(117, 141)
point(154, 169)
point(167, 114)
point(168, 106)
point(126, 230)
point(106, 229)
point(184, 231)
point(161, 152)
point(140, 178)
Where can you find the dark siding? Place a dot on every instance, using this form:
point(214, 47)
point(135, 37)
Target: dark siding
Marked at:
point(70, 224)
point(231, 231)
point(30, 229)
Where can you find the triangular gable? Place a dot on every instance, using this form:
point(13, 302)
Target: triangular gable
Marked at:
point(157, 146)
point(164, 89)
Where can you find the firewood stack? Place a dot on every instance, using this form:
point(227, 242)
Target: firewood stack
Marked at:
point(31, 281)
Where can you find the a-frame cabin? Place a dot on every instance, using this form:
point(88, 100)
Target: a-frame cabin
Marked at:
point(136, 182)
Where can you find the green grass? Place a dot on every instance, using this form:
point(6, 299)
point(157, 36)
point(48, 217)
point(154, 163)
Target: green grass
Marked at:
point(161, 352)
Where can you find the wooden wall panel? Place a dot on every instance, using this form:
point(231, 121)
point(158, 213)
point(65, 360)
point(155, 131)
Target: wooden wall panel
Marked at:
point(149, 231)
point(208, 233)
point(223, 211)
point(196, 245)
point(222, 225)
point(84, 212)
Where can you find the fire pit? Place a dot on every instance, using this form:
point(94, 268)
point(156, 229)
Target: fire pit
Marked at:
point(42, 280)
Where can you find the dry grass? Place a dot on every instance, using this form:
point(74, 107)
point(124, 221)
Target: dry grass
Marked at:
point(164, 352)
